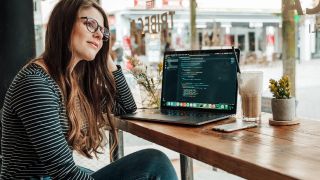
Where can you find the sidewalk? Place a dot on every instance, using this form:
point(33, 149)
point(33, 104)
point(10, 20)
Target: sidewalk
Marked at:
point(308, 86)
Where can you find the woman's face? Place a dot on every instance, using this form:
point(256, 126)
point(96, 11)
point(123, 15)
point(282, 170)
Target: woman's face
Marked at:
point(84, 44)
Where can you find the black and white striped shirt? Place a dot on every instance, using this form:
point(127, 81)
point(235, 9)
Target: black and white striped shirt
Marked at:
point(35, 126)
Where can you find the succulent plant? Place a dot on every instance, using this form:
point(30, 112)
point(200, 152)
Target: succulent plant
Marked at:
point(280, 89)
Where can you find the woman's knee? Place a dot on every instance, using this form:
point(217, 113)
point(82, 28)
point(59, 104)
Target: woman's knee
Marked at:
point(160, 163)
point(155, 155)
point(144, 164)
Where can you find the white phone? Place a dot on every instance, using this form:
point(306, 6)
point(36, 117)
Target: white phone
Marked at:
point(234, 126)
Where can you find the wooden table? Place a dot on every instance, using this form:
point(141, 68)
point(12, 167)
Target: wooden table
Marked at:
point(265, 152)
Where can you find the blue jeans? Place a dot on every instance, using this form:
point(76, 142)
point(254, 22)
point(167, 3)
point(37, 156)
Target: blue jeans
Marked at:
point(148, 164)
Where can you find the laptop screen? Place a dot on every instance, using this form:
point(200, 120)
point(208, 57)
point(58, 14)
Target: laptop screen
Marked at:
point(203, 79)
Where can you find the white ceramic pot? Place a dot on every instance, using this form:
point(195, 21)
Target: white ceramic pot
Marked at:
point(283, 109)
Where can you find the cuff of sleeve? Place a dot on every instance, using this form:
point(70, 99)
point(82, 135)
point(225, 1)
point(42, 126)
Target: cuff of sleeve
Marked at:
point(117, 72)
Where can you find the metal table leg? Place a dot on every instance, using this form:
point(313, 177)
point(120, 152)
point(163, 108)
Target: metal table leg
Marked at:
point(186, 163)
point(186, 166)
point(119, 152)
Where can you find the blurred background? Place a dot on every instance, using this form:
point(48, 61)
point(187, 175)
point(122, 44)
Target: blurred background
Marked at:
point(255, 27)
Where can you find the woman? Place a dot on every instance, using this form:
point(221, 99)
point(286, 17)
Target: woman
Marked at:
point(55, 104)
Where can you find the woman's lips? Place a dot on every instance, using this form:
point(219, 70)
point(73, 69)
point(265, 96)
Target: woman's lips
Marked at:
point(94, 44)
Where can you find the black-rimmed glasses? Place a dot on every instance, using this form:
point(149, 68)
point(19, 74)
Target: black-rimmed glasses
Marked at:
point(92, 26)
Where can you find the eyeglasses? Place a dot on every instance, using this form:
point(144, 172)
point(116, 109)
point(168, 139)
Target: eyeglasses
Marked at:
point(92, 26)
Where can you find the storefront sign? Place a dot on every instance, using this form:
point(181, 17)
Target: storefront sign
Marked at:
point(153, 24)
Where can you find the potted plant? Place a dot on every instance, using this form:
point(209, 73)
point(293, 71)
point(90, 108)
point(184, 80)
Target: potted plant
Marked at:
point(148, 79)
point(282, 104)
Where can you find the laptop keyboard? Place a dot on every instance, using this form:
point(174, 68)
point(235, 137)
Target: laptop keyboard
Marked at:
point(192, 114)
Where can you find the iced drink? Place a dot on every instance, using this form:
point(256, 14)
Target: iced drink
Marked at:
point(250, 89)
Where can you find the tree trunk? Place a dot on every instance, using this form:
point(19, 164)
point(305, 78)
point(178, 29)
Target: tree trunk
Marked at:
point(289, 46)
point(193, 40)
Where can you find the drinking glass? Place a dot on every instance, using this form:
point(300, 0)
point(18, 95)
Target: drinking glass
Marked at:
point(250, 90)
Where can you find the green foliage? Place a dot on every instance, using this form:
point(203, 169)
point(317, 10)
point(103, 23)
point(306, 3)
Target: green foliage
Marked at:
point(280, 89)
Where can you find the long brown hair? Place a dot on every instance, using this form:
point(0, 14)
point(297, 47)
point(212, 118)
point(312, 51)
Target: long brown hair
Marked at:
point(87, 84)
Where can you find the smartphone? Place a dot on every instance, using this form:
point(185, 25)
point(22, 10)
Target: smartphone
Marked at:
point(234, 126)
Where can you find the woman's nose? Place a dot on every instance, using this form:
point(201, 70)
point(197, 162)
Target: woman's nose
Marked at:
point(98, 34)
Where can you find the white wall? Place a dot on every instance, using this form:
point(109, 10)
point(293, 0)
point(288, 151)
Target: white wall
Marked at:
point(273, 5)
point(46, 8)
point(116, 5)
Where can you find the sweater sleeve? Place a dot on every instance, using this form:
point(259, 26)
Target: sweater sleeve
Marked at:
point(124, 102)
point(37, 105)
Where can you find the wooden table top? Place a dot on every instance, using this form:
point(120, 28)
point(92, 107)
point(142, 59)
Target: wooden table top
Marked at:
point(265, 152)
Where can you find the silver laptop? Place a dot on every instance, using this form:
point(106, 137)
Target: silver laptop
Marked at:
point(198, 87)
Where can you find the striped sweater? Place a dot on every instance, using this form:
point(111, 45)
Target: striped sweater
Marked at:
point(35, 126)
